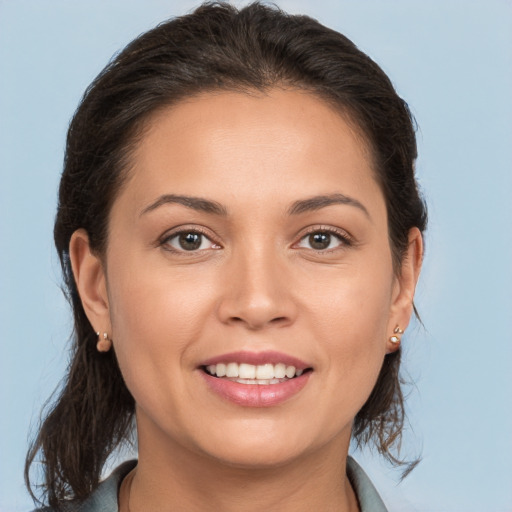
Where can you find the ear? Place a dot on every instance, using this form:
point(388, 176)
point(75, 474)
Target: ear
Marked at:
point(404, 287)
point(90, 280)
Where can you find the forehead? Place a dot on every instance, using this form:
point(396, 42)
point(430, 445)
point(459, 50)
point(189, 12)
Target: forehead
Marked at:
point(259, 146)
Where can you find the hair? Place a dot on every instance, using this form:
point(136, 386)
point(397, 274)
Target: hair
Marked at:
point(216, 47)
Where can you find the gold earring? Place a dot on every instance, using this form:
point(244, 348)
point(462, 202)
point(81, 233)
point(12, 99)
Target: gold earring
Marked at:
point(104, 343)
point(396, 339)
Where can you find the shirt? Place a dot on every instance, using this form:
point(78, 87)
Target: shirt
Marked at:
point(104, 498)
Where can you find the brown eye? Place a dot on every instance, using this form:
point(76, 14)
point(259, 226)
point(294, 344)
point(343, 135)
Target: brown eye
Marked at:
point(319, 241)
point(324, 240)
point(190, 241)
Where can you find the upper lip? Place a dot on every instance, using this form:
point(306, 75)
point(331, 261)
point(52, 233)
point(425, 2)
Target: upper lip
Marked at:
point(257, 358)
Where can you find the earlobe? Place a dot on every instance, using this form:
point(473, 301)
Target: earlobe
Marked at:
point(90, 280)
point(403, 295)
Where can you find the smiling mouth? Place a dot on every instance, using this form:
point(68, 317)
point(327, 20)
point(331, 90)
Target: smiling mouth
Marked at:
point(263, 374)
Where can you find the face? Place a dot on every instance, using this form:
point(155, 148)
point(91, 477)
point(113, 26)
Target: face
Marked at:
point(249, 286)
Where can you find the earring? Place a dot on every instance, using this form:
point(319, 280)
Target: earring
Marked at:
point(396, 339)
point(104, 343)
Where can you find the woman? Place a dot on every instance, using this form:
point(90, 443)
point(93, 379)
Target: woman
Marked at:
point(240, 232)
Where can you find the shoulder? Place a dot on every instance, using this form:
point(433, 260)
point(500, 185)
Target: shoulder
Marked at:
point(104, 498)
point(367, 495)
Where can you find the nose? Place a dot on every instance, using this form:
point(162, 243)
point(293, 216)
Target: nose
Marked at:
point(256, 292)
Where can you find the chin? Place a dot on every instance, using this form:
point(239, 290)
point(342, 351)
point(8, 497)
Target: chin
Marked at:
point(263, 448)
point(256, 458)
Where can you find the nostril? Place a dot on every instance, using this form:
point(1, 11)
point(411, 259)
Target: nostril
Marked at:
point(256, 323)
point(278, 320)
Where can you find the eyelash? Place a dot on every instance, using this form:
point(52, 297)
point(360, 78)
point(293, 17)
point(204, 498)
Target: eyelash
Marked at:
point(343, 237)
point(164, 242)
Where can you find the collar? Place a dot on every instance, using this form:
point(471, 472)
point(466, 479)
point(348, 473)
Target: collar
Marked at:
point(367, 496)
point(104, 498)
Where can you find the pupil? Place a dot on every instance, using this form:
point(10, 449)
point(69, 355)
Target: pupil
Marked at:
point(190, 241)
point(320, 240)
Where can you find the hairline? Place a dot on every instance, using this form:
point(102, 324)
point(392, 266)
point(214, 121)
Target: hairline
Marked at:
point(141, 126)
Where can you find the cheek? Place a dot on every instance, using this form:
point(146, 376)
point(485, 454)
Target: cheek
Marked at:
point(354, 301)
point(146, 294)
point(155, 315)
point(155, 320)
point(351, 317)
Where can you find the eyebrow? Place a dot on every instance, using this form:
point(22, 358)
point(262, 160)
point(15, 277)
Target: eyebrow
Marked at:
point(318, 202)
point(195, 203)
point(298, 207)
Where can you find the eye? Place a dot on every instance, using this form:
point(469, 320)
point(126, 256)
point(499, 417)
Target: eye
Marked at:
point(323, 240)
point(189, 241)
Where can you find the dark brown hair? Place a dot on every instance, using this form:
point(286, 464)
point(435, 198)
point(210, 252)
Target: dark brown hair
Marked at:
point(215, 47)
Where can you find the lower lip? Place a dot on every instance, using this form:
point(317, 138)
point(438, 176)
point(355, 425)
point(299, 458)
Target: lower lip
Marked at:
point(256, 395)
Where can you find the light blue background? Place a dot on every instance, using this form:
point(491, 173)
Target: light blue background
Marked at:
point(452, 61)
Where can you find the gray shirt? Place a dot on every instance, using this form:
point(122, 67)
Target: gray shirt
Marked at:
point(104, 498)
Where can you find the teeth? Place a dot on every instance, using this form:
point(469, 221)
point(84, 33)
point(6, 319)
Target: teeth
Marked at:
point(259, 381)
point(220, 371)
point(290, 371)
point(280, 371)
point(231, 370)
point(265, 371)
point(246, 371)
point(251, 374)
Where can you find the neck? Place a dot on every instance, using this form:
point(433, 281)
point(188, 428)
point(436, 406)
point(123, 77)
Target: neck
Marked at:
point(169, 477)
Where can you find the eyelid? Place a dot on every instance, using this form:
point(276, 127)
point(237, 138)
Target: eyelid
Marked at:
point(163, 241)
point(346, 239)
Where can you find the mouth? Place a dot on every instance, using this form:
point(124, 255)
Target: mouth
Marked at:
point(250, 374)
point(250, 379)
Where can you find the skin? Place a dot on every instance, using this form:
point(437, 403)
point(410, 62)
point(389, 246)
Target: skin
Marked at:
point(255, 284)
